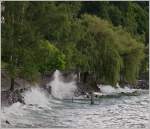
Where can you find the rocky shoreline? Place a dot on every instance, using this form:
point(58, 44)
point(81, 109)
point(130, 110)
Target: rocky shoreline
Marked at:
point(9, 97)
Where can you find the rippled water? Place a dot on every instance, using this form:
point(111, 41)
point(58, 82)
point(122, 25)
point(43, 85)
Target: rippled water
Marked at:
point(125, 111)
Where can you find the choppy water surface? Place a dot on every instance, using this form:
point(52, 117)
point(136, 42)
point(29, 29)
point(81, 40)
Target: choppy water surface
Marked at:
point(124, 111)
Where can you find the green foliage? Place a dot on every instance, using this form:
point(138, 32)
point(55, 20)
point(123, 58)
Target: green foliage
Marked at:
point(101, 53)
point(50, 57)
point(42, 36)
point(3, 65)
point(105, 47)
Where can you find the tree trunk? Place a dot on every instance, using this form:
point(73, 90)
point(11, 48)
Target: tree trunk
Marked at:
point(78, 76)
point(85, 77)
point(92, 98)
point(12, 82)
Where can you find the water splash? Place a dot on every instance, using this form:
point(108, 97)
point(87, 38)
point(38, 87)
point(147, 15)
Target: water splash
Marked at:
point(14, 108)
point(36, 96)
point(61, 89)
point(8, 113)
point(108, 89)
point(118, 113)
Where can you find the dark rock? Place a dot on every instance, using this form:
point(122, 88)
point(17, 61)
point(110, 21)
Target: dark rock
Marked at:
point(7, 122)
point(10, 97)
point(142, 84)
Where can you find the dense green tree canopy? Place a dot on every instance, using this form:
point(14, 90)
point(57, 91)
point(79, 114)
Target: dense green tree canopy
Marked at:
point(107, 39)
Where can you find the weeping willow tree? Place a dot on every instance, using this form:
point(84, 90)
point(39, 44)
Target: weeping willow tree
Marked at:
point(132, 53)
point(63, 38)
point(110, 50)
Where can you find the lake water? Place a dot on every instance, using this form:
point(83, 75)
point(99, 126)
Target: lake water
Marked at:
point(124, 111)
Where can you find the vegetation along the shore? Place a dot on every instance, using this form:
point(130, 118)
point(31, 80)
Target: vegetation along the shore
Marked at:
point(106, 39)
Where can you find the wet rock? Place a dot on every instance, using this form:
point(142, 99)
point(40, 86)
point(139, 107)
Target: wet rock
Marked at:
point(7, 122)
point(142, 84)
point(10, 97)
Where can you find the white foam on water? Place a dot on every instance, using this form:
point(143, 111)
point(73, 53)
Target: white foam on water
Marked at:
point(128, 112)
point(36, 96)
point(15, 109)
point(108, 89)
point(35, 100)
point(31, 115)
point(61, 89)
